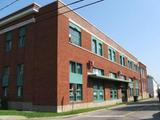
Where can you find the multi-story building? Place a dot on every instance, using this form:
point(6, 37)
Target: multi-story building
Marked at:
point(52, 59)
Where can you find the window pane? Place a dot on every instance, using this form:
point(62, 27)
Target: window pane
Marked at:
point(73, 67)
point(94, 46)
point(110, 54)
point(100, 49)
point(79, 68)
point(75, 36)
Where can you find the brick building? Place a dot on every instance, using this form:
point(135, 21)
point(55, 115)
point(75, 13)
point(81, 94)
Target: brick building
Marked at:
point(50, 60)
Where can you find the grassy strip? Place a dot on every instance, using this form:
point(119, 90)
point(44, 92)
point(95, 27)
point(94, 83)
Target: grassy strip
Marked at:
point(30, 114)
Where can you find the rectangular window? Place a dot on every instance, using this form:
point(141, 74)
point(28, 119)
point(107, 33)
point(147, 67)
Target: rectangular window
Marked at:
point(8, 46)
point(76, 92)
point(19, 91)
point(5, 91)
point(137, 88)
point(131, 85)
point(122, 60)
point(110, 54)
point(75, 67)
point(97, 46)
point(94, 46)
point(100, 49)
point(20, 79)
point(5, 76)
point(112, 75)
point(98, 71)
point(75, 34)
point(22, 37)
point(114, 93)
point(98, 92)
point(114, 56)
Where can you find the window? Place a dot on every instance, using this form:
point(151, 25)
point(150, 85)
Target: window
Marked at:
point(131, 85)
point(20, 79)
point(122, 60)
point(137, 88)
point(22, 37)
point(112, 54)
point(98, 71)
point(97, 46)
point(98, 92)
point(75, 34)
point(94, 46)
point(112, 75)
point(75, 67)
point(100, 49)
point(114, 92)
point(76, 92)
point(8, 41)
point(5, 77)
point(5, 80)
point(5, 91)
point(122, 77)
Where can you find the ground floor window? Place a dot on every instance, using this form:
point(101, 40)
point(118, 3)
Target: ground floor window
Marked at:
point(114, 93)
point(5, 91)
point(76, 92)
point(137, 92)
point(98, 92)
point(19, 91)
point(131, 91)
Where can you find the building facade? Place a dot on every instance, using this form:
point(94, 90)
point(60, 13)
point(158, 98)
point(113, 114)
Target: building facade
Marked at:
point(52, 59)
point(152, 87)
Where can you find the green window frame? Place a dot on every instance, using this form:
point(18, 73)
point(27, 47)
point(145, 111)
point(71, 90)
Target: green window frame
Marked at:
point(5, 76)
point(113, 93)
point(5, 91)
point(97, 46)
point(76, 92)
point(112, 54)
point(98, 71)
point(75, 67)
point(122, 60)
point(75, 34)
point(131, 85)
point(20, 79)
point(8, 42)
point(94, 46)
point(22, 37)
point(98, 92)
point(137, 88)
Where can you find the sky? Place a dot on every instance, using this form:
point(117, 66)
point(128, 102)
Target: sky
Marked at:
point(134, 24)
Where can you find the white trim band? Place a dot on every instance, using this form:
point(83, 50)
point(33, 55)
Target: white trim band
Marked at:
point(32, 20)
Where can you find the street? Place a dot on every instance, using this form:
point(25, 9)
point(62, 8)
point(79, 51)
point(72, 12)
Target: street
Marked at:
point(146, 110)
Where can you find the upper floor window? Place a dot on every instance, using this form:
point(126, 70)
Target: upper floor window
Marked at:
point(112, 75)
point(75, 67)
point(97, 46)
point(22, 37)
point(75, 34)
point(112, 54)
point(122, 60)
point(98, 71)
point(8, 45)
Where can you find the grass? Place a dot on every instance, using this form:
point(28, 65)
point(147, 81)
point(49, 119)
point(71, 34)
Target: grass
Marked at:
point(30, 114)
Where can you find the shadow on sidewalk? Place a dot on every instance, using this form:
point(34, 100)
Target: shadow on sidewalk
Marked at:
point(156, 116)
point(152, 105)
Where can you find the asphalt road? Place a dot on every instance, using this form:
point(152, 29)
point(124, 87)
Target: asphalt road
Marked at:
point(146, 110)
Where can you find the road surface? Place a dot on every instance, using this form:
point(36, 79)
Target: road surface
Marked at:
point(146, 110)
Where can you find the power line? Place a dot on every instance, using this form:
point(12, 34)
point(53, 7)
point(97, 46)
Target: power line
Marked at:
point(82, 7)
point(8, 5)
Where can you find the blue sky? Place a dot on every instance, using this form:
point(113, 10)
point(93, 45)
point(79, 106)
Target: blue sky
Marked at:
point(134, 24)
